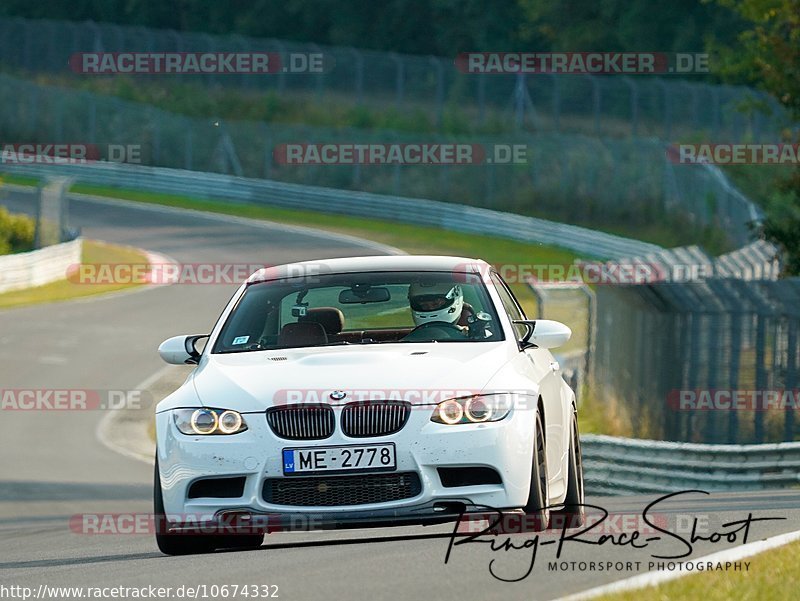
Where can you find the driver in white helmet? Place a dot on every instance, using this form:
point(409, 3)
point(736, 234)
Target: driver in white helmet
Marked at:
point(441, 302)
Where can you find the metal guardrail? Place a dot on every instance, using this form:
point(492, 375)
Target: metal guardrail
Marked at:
point(622, 465)
point(445, 215)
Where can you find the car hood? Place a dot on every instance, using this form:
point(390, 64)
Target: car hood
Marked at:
point(419, 373)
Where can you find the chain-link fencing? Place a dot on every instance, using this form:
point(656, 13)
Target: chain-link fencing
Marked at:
point(430, 89)
point(567, 177)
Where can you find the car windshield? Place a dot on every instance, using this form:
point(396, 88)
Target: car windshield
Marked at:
point(360, 308)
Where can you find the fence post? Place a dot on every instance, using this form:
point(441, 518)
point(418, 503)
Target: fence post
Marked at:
point(716, 117)
point(157, 137)
point(33, 111)
point(281, 75)
point(761, 375)
point(188, 149)
point(733, 378)
point(26, 47)
point(439, 109)
point(556, 102)
point(209, 77)
point(489, 191)
point(791, 375)
point(399, 79)
point(59, 117)
point(481, 80)
point(92, 128)
point(667, 108)
point(634, 90)
point(268, 147)
point(519, 101)
point(319, 78)
point(359, 75)
point(595, 103)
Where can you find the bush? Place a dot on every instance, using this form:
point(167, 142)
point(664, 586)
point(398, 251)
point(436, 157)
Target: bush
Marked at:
point(16, 232)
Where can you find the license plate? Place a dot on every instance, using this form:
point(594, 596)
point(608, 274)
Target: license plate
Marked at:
point(310, 460)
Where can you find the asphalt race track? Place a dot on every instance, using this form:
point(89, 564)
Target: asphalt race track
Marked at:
point(53, 466)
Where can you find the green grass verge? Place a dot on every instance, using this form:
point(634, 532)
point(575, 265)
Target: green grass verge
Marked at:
point(772, 577)
point(93, 252)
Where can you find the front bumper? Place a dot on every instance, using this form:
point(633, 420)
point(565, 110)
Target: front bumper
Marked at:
point(422, 446)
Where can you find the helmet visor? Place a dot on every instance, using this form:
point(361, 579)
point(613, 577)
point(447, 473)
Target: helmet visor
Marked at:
point(430, 302)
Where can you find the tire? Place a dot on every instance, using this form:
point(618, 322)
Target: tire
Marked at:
point(573, 514)
point(537, 513)
point(191, 544)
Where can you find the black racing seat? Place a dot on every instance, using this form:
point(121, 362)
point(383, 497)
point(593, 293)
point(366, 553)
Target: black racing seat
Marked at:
point(330, 318)
point(306, 333)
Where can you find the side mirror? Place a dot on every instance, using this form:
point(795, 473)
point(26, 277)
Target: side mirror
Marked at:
point(180, 350)
point(544, 333)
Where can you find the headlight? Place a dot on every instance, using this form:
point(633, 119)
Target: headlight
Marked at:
point(472, 410)
point(203, 421)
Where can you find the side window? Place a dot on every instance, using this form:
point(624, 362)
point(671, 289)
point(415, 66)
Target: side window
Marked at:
point(509, 304)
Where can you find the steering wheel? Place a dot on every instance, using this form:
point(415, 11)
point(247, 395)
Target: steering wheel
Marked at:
point(452, 331)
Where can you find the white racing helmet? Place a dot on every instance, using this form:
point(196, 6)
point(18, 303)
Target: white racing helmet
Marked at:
point(435, 302)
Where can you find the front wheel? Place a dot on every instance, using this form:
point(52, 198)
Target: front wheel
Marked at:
point(573, 513)
point(536, 510)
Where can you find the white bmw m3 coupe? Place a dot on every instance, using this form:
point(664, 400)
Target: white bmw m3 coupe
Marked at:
point(368, 391)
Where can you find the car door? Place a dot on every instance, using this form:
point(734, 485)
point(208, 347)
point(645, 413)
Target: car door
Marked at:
point(544, 370)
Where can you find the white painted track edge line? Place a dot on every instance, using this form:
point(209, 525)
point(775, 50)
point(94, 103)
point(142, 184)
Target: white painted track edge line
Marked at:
point(101, 432)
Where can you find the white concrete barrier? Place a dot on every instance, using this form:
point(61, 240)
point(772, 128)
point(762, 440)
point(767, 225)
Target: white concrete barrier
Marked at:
point(38, 267)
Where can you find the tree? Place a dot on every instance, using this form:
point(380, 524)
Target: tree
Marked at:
point(768, 56)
